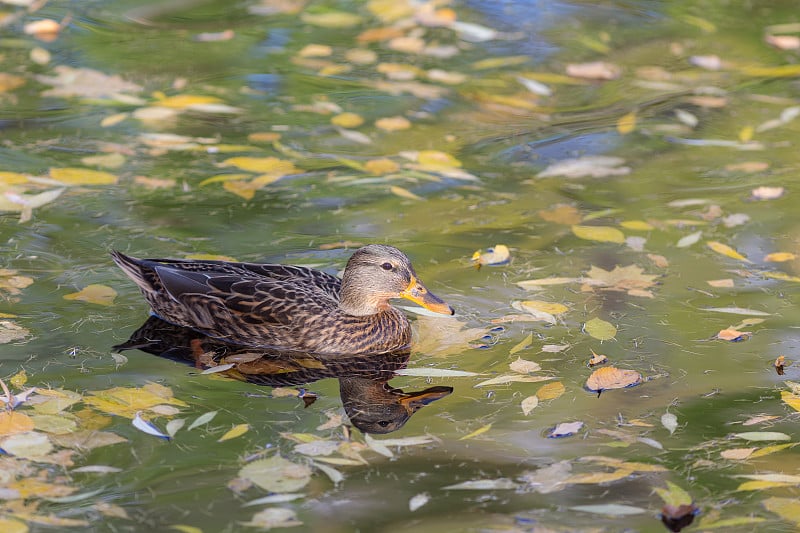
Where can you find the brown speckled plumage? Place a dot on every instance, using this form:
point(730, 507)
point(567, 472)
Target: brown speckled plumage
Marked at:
point(287, 307)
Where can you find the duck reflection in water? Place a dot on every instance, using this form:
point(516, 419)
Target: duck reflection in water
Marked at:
point(371, 404)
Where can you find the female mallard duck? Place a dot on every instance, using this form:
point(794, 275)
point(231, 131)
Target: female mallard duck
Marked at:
point(288, 307)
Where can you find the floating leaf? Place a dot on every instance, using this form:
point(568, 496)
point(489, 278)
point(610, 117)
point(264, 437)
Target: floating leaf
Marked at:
point(596, 70)
point(404, 193)
point(29, 445)
point(202, 419)
point(610, 509)
point(534, 306)
point(767, 450)
point(523, 366)
point(277, 474)
point(786, 508)
point(483, 484)
point(594, 166)
point(733, 335)
point(670, 422)
point(597, 359)
point(721, 283)
point(600, 329)
point(599, 233)
point(94, 294)
point(263, 165)
point(626, 123)
point(12, 422)
point(274, 517)
point(418, 501)
point(236, 431)
point(726, 250)
point(527, 341)
point(550, 391)
point(673, 495)
point(512, 378)
point(736, 311)
point(737, 454)
point(564, 429)
point(529, 404)
point(689, 240)
point(791, 399)
point(82, 176)
point(762, 436)
point(779, 257)
point(393, 124)
point(637, 225)
point(610, 377)
point(562, 214)
point(767, 193)
point(347, 120)
point(331, 19)
point(148, 427)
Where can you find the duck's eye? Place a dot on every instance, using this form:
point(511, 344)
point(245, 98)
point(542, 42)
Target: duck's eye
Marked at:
point(387, 266)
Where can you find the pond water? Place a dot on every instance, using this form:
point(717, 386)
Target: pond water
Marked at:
point(657, 137)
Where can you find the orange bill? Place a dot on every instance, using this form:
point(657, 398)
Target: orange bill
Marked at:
point(417, 293)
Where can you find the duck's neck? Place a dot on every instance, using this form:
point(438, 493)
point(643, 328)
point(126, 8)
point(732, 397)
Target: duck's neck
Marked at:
point(356, 301)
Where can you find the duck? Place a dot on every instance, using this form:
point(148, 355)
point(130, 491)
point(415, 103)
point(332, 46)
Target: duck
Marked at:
point(287, 307)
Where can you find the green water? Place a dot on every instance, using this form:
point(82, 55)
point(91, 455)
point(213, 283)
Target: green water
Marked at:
point(502, 136)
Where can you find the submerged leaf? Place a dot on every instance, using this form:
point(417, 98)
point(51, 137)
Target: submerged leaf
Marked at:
point(277, 474)
point(600, 329)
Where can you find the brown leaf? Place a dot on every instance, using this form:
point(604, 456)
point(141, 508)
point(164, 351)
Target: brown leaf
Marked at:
point(733, 335)
point(612, 378)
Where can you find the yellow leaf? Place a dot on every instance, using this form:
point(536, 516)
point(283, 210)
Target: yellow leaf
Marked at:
point(94, 294)
point(12, 422)
point(726, 250)
point(240, 188)
point(183, 101)
point(495, 62)
point(786, 508)
point(626, 123)
point(746, 134)
point(82, 176)
point(791, 399)
point(479, 431)
point(393, 123)
point(223, 178)
point(783, 71)
point(12, 178)
point(637, 225)
point(538, 305)
point(761, 485)
point(599, 233)
point(527, 341)
point(262, 165)
point(31, 487)
point(562, 214)
point(9, 525)
point(404, 193)
point(599, 477)
point(186, 529)
point(381, 166)
point(600, 329)
point(779, 257)
point(347, 120)
point(19, 379)
point(551, 391)
point(331, 19)
point(781, 276)
point(766, 450)
point(235, 431)
point(437, 159)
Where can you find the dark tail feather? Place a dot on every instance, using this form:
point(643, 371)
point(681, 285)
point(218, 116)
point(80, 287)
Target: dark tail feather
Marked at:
point(133, 268)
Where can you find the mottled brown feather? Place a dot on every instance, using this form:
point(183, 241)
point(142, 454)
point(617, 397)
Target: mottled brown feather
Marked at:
point(282, 306)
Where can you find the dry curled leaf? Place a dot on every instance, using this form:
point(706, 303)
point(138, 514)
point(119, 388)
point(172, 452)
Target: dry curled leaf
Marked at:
point(733, 335)
point(610, 377)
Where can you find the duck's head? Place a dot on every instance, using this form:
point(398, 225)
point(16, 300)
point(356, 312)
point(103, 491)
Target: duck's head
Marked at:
point(377, 273)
